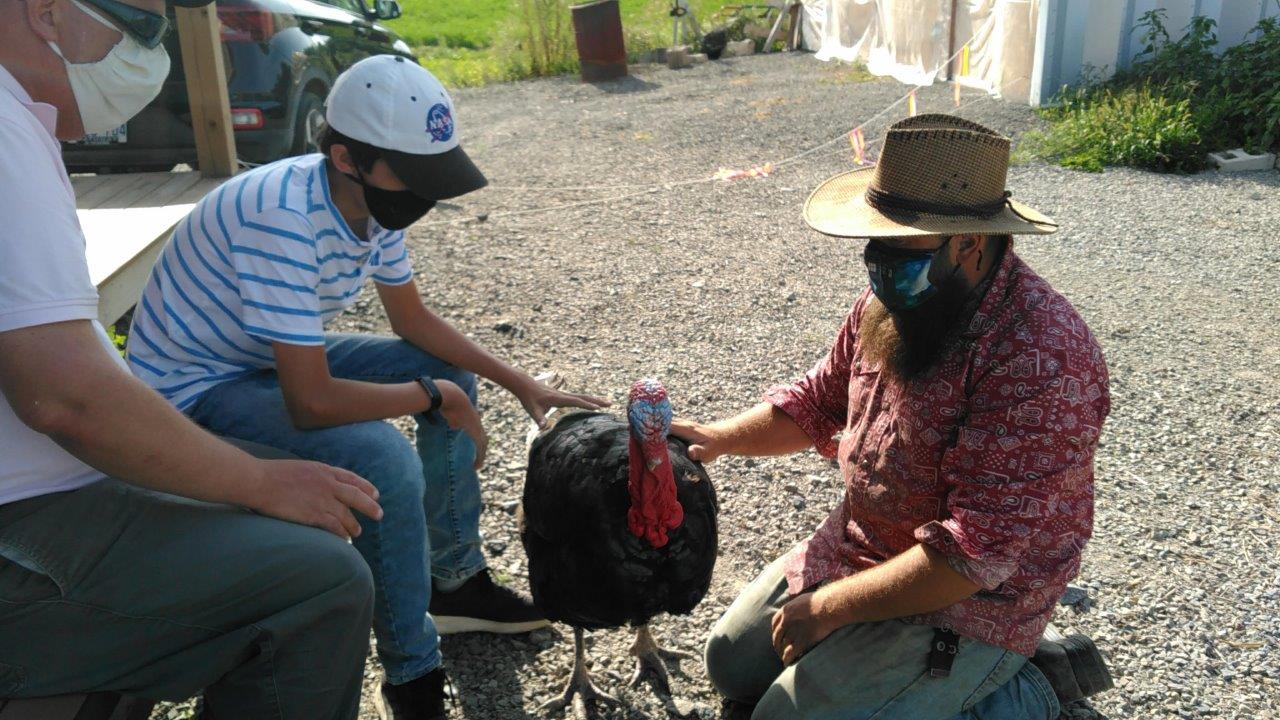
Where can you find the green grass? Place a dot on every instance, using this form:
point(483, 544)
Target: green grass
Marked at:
point(475, 42)
point(468, 24)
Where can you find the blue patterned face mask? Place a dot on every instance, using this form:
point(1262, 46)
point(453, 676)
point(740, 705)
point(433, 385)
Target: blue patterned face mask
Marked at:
point(899, 277)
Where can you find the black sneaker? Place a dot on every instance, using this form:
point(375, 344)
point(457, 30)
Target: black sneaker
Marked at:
point(481, 605)
point(1074, 667)
point(421, 699)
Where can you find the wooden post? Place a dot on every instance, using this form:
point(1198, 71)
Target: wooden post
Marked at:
point(199, 36)
point(793, 37)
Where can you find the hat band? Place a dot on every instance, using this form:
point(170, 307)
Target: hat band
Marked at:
point(888, 202)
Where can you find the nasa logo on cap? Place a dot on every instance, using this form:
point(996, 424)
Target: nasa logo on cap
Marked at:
point(440, 122)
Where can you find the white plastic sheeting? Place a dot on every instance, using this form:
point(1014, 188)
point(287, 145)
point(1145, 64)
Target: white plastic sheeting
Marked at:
point(910, 40)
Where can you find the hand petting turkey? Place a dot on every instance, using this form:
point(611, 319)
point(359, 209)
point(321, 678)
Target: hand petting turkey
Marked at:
point(539, 397)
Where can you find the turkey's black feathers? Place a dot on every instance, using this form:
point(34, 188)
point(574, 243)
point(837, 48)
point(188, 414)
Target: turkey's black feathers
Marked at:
point(586, 569)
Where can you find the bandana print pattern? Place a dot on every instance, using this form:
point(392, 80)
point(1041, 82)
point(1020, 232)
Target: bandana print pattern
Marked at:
point(987, 458)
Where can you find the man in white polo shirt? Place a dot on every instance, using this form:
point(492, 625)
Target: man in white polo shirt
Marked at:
point(108, 579)
point(231, 328)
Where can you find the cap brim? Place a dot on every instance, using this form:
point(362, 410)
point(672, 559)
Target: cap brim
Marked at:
point(436, 177)
point(838, 207)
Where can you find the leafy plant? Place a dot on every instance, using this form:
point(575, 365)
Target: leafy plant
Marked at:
point(1178, 100)
point(1137, 127)
point(120, 340)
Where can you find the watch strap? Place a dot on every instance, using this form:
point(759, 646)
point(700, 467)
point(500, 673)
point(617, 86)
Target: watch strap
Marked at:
point(433, 391)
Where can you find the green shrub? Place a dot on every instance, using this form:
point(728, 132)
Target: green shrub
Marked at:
point(1137, 127)
point(1176, 102)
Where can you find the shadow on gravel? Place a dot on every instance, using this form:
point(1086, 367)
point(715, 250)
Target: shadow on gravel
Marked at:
point(486, 672)
point(626, 85)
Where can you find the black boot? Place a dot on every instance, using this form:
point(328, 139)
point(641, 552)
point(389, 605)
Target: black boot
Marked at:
point(1074, 667)
point(421, 699)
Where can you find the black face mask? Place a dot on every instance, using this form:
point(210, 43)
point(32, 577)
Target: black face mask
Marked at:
point(393, 209)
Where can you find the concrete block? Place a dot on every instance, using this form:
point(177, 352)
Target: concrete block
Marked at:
point(1238, 160)
point(738, 48)
point(678, 58)
point(697, 58)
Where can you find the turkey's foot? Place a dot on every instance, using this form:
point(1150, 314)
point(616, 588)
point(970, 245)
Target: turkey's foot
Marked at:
point(581, 691)
point(651, 662)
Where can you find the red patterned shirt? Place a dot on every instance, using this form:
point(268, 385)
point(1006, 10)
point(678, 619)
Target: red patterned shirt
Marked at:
point(987, 457)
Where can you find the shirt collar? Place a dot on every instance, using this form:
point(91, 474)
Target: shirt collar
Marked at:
point(44, 112)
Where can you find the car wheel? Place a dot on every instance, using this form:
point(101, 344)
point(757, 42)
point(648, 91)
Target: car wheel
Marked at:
point(308, 124)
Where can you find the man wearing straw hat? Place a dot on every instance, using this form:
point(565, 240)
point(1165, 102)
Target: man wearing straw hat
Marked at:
point(969, 397)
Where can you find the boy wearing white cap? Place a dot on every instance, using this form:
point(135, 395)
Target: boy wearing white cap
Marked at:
point(230, 329)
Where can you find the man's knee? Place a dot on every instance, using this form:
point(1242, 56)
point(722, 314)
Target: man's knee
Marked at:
point(337, 576)
point(735, 671)
point(463, 379)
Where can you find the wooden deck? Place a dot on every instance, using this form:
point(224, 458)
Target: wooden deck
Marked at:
point(126, 220)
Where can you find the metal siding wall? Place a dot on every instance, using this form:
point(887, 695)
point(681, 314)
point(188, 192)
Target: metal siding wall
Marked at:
point(1075, 34)
point(1238, 17)
point(1178, 15)
point(1101, 37)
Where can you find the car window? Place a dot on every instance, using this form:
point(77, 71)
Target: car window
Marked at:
point(349, 5)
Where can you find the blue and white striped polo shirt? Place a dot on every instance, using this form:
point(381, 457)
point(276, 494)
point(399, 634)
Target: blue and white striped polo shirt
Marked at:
point(265, 257)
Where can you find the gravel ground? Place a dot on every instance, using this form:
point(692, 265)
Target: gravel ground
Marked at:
point(720, 290)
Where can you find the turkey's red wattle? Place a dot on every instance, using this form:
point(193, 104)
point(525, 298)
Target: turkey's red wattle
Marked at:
point(654, 507)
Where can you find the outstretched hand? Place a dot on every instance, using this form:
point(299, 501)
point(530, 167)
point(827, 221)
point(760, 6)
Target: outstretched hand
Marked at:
point(538, 398)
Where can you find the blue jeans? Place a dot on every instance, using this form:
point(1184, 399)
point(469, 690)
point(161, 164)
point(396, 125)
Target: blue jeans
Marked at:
point(430, 497)
point(866, 671)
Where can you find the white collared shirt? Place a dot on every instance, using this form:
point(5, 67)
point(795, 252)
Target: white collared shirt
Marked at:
point(44, 278)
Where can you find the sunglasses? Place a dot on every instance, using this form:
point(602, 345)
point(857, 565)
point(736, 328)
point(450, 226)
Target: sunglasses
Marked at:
point(148, 28)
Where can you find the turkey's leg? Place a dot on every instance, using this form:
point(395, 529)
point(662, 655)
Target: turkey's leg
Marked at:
point(651, 662)
point(580, 684)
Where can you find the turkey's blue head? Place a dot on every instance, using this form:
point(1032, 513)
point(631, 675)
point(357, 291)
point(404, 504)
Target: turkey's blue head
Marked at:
point(649, 415)
point(654, 507)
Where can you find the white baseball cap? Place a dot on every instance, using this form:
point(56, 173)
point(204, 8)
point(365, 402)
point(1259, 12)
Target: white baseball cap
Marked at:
point(400, 108)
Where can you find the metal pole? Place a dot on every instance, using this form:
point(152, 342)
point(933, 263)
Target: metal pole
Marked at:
point(951, 43)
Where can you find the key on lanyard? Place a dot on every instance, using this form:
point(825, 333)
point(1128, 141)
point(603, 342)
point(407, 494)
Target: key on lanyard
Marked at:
point(943, 653)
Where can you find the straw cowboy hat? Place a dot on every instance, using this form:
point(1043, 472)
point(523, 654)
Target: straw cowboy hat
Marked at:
point(937, 175)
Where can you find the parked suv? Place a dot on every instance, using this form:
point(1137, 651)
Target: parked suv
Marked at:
point(281, 58)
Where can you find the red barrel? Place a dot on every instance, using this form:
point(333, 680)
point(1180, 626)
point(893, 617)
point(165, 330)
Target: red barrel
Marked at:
point(597, 28)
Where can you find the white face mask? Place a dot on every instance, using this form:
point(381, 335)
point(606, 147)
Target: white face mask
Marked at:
point(113, 89)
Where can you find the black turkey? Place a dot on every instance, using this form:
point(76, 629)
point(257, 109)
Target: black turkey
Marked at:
point(619, 526)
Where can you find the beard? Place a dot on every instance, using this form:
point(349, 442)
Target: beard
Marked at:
point(907, 344)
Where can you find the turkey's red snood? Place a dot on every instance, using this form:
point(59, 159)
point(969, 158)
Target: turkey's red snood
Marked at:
point(654, 507)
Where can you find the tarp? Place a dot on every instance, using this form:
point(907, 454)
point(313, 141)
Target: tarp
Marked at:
point(909, 40)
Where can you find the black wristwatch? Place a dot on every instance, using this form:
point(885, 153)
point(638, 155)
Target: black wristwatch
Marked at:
point(436, 398)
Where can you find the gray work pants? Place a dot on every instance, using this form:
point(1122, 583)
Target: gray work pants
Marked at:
point(112, 587)
point(866, 671)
